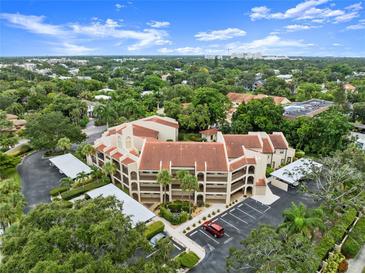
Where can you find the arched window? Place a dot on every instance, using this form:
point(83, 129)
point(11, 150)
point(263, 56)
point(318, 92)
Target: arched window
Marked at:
point(250, 180)
point(251, 170)
point(133, 175)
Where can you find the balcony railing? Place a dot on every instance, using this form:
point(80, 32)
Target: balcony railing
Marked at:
point(237, 185)
point(217, 179)
point(216, 189)
point(147, 177)
point(150, 188)
point(238, 175)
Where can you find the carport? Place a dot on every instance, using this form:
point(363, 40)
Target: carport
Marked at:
point(137, 212)
point(70, 165)
point(293, 173)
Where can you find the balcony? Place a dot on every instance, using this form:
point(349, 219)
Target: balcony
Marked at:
point(216, 179)
point(216, 189)
point(238, 174)
point(149, 188)
point(237, 185)
point(147, 177)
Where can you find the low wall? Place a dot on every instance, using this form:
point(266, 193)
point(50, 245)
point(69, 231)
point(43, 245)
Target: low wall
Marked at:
point(279, 184)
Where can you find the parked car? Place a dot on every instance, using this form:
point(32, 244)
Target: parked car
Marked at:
point(213, 228)
point(155, 239)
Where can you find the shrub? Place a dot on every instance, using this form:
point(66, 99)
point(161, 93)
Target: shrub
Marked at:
point(218, 210)
point(153, 229)
point(67, 195)
point(188, 228)
point(209, 215)
point(335, 234)
point(204, 218)
point(173, 218)
point(194, 225)
point(57, 190)
point(333, 262)
point(188, 259)
point(355, 240)
point(299, 154)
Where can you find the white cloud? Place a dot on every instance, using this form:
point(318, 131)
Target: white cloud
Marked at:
point(359, 25)
point(158, 24)
point(223, 34)
point(73, 49)
point(336, 44)
point(355, 7)
point(308, 10)
point(296, 27)
point(32, 23)
point(111, 29)
point(269, 44)
point(182, 50)
point(119, 6)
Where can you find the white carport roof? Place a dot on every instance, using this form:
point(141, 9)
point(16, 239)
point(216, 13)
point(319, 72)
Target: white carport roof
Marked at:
point(70, 165)
point(295, 171)
point(131, 207)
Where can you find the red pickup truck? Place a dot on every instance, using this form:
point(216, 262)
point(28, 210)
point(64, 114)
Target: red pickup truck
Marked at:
point(215, 229)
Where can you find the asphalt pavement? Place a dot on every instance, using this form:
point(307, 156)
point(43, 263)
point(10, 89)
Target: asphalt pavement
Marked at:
point(238, 221)
point(38, 178)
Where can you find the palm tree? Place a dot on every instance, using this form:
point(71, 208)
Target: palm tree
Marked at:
point(181, 175)
point(87, 150)
point(66, 182)
point(164, 178)
point(96, 173)
point(109, 169)
point(106, 112)
point(64, 144)
point(300, 219)
point(190, 184)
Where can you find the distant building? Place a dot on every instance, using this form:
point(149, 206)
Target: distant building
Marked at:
point(308, 108)
point(246, 55)
point(213, 57)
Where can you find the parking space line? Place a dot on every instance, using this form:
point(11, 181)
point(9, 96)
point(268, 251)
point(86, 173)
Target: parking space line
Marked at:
point(228, 223)
point(151, 254)
point(224, 214)
point(193, 233)
point(228, 240)
point(209, 236)
point(237, 218)
point(267, 209)
point(177, 247)
point(227, 234)
point(246, 213)
point(255, 209)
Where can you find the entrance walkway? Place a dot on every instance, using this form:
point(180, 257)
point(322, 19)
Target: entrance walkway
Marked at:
point(267, 199)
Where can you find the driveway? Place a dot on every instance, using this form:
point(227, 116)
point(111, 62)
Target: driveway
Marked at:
point(38, 178)
point(93, 132)
point(238, 222)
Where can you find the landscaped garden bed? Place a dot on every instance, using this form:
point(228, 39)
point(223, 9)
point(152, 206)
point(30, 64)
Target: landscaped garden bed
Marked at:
point(176, 212)
point(188, 259)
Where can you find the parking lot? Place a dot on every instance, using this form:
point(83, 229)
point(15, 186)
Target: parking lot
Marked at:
point(237, 222)
point(176, 250)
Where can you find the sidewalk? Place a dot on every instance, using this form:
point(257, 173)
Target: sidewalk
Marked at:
point(180, 238)
point(357, 264)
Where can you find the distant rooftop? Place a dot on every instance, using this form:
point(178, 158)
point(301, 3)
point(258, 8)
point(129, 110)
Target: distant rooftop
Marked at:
point(308, 108)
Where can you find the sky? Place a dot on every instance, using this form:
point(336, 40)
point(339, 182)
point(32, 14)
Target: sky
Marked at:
point(171, 27)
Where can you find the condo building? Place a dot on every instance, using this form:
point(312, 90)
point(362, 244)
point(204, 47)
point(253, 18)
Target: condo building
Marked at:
point(226, 166)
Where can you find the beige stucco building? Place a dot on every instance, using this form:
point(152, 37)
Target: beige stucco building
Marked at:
point(227, 167)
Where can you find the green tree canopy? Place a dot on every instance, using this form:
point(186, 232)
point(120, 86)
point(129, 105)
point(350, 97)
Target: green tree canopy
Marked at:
point(46, 129)
point(89, 236)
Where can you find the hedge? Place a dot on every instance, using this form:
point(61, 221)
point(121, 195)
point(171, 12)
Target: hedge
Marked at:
point(335, 234)
point(173, 218)
point(67, 195)
point(57, 190)
point(355, 241)
point(188, 259)
point(153, 229)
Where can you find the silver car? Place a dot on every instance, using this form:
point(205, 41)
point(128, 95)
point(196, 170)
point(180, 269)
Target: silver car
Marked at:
point(154, 240)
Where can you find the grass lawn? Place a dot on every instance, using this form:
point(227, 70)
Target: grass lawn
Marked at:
point(11, 173)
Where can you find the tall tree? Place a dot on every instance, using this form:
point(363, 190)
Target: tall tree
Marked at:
point(89, 236)
point(64, 144)
point(164, 178)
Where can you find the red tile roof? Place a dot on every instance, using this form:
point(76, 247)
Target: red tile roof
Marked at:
point(117, 155)
point(267, 146)
point(111, 132)
point(144, 132)
point(241, 162)
point(127, 161)
point(210, 131)
point(234, 144)
point(110, 149)
point(163, 122)
point(278, 141)
point(134, 152)
point(101, 147)
point(183, 154)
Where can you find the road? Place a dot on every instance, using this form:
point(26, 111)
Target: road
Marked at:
point(93, 132)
